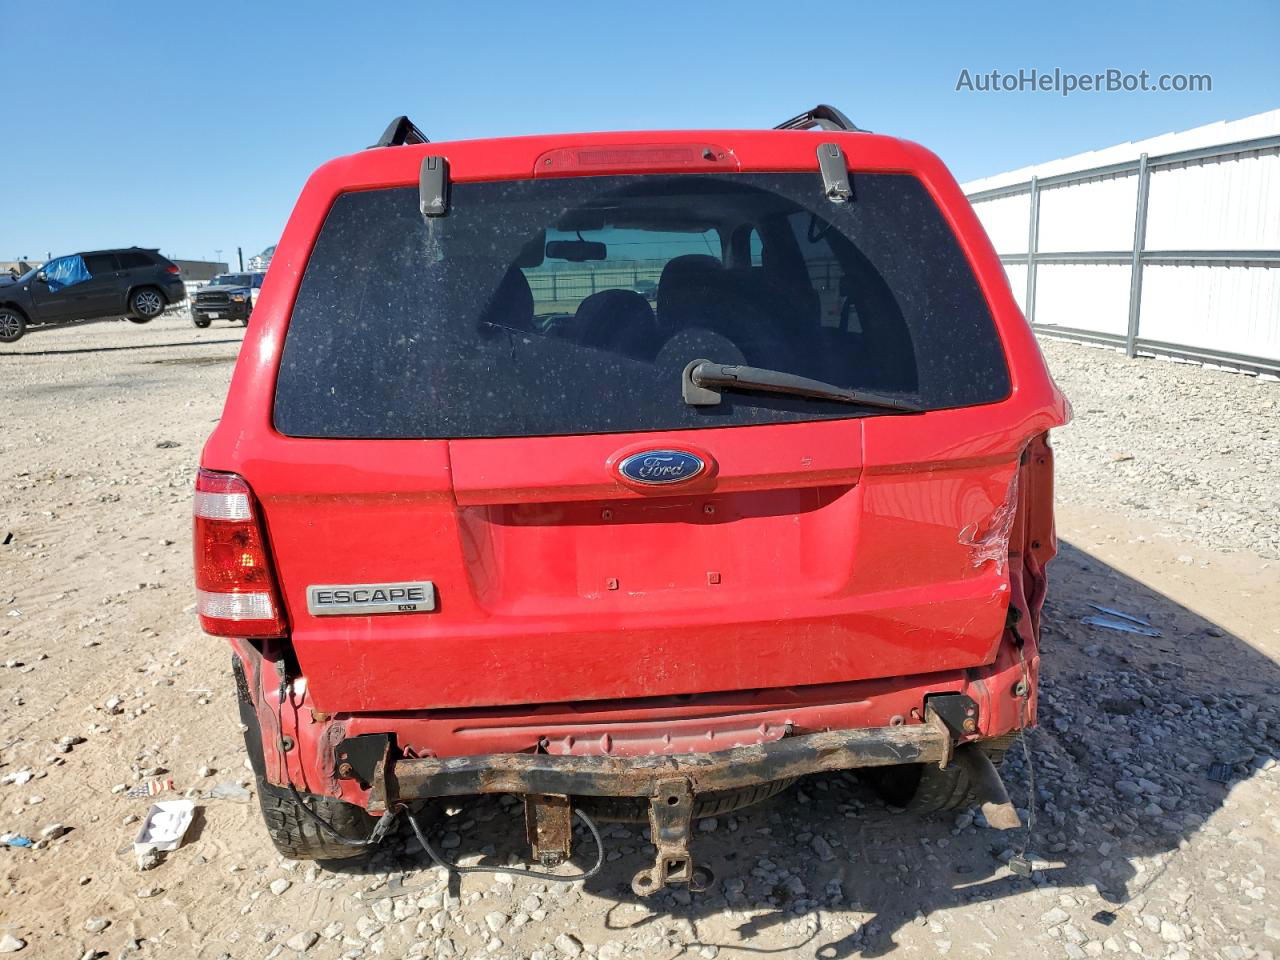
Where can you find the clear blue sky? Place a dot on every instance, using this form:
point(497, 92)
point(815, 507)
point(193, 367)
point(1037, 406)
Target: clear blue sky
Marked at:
point(192, 127)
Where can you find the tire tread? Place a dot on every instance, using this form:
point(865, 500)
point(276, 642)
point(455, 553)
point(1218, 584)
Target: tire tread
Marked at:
point(952, 789)
point(297, 835)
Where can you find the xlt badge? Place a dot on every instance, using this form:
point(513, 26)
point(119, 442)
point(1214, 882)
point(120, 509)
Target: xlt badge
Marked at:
point(363, 599)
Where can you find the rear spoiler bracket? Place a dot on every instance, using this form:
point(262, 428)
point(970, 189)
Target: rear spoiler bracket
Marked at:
point(400, 132)
point(824, 117)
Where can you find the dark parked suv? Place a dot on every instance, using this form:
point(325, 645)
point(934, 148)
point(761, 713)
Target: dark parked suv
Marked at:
point(229, 296)
point(136, 283)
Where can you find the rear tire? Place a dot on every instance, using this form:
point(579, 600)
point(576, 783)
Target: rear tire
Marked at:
point(293, 831)
point(145, 304)
point(201, 323)
point(297, 835)
point(12, 325)
point(715, 804)
point(922, 788)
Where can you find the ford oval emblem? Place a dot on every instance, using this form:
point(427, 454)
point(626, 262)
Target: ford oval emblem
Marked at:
point(657, 467)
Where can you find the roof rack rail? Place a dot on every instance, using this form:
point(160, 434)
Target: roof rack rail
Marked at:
point(400, 132)
point(824, 116)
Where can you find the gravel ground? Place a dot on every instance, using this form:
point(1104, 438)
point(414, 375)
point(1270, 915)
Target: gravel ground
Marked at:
point(1195, 451)
point(105, 681)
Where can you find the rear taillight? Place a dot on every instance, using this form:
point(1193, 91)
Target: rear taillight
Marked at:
point(236, 593)
point(173, 268)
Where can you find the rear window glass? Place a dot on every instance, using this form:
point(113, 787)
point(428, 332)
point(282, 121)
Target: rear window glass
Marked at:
point(131, 260)
point(100, 263)
point(567, 306)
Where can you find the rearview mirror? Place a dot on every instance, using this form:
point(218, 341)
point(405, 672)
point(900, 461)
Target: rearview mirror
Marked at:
point(577, 251)
point(42, 276)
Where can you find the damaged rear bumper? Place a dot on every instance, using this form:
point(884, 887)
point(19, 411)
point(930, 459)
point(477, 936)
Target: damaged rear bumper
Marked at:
point(549, 784)
point(607, 776)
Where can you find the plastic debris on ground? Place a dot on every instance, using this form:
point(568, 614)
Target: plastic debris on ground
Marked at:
point(1120, 622)
point(1223, 768)
point(14, 840)
point(163, 827)
point(395, 888)
point(150, 788)
point(229, 790)
point(1121, 614)
point(1220, 772)
point(1021, 866)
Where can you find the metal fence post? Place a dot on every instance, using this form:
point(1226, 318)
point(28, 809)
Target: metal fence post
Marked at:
point(1223, 348)
point(1033, 242)
point(1139, 242)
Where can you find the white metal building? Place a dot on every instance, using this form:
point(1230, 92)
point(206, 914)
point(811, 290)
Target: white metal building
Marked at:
point(1169, 245)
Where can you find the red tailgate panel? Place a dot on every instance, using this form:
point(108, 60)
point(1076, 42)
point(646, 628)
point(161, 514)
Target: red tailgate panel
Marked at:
point(583, 589)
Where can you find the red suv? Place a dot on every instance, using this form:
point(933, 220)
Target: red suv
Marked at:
point(635, 474)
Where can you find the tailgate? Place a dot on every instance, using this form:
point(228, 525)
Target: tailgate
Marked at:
point(455, 395)
point(556, 582)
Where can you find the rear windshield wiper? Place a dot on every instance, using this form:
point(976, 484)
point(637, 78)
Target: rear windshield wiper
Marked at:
point(703, 380)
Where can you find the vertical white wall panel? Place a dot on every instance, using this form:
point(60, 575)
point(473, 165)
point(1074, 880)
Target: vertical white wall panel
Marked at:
point(1232, 309)
point(1216, 205)
point(1006, 221)
point(1085, 296)
point(1094, 215)
point(1200, 206)
point(1017, 273)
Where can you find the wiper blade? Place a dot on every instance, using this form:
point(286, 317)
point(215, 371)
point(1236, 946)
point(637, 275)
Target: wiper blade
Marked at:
point(703, 380)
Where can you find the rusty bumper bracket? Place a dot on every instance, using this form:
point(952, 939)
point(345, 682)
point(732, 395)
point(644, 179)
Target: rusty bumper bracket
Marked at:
point(548, 820)
point(607, 776)
point(670, 825)
point(357, 758)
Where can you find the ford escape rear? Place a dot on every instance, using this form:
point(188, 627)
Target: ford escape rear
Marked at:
point(634, 474)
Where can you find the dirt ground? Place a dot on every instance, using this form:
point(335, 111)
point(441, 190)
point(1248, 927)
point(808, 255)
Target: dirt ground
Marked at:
point(106, 681)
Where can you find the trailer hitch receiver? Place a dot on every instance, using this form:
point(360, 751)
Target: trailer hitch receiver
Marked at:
point(670, 823)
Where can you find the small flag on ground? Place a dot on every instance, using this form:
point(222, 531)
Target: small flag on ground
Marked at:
point(150, 788)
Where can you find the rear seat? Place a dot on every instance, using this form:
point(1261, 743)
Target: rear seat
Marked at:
point(618, 320)
point(686, 282)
